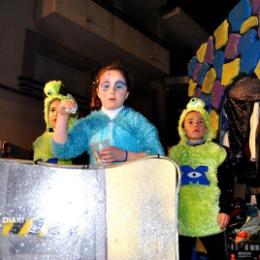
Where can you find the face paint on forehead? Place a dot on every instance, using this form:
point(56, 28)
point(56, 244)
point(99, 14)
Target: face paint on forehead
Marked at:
point(107, 74)
point(112, 74)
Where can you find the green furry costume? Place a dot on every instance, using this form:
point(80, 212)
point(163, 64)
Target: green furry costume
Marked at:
point(42, 145)
point(199, 192)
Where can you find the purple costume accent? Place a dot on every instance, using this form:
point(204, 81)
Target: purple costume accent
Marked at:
point(231, 51)
point(197, 93)
point(258, 16)
point(196, 70)
point(209, 56)
point(217, 94)
point(256, 6)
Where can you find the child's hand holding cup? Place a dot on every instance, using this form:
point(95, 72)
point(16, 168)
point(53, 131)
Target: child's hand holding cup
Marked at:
point(97, 147)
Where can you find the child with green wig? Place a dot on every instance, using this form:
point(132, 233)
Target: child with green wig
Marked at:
point(42, 148)
point(206, 190)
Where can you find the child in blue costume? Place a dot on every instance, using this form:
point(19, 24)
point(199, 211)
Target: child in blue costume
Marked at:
point(206, 184)
point(42, 148)
point(130, 134)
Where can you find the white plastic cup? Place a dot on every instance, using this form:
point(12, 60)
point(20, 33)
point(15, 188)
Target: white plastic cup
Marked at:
point(97, 147)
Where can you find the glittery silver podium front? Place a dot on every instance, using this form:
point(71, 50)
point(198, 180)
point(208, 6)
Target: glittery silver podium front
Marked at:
point(126, 211)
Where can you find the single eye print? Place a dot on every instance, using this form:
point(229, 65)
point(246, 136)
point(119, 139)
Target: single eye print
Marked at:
point(196, 103)
point(194, 175)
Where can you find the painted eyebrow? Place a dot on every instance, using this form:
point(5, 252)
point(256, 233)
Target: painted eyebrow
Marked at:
point(118, 81)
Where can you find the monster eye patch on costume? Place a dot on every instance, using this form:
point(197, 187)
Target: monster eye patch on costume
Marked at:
point(193, 176)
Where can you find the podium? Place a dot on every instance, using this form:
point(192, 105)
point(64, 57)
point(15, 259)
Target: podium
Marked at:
point(123, 211)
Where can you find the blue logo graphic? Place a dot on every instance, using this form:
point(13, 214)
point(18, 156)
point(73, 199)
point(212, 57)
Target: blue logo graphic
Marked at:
point(192, 176)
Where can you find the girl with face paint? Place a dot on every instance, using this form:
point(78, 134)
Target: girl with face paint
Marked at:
point(112, 132)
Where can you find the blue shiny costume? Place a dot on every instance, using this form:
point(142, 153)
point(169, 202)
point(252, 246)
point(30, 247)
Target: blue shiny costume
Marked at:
point(129, 130)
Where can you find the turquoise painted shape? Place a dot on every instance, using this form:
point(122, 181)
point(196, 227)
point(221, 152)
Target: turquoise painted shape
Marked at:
point(250, 58)
point(246, 40)
point(239, 14)
point(204, 69)
point(197, 93)
point(191, 65)
point(218, 63)
point(196, 71)
point(207, 100)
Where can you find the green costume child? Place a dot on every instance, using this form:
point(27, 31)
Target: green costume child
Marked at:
point(204, 205)
point(42, 145)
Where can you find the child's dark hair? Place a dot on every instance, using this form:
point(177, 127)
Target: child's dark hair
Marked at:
point(95, 102)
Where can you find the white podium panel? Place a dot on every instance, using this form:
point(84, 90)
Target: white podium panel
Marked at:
point(141, 210)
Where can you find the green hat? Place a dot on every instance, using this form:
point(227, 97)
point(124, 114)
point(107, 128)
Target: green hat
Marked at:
point(198, 105)
point(52, 92)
